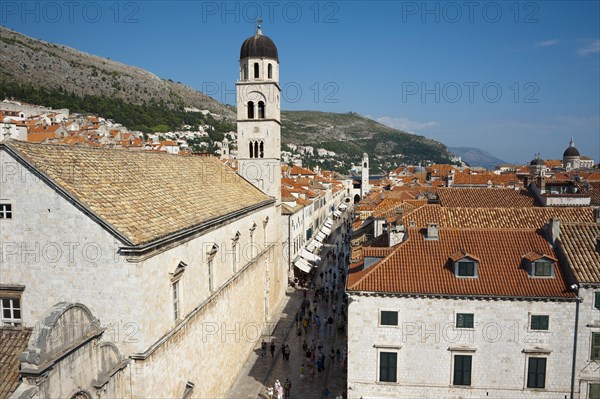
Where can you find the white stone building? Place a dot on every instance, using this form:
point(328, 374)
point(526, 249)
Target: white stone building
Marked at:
point(579, 247)
point(455, 313)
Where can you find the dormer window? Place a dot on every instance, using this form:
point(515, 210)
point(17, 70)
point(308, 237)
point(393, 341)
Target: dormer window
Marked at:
point(465, 265)
point(540, 265)
point(543, 268)
point(466, 268)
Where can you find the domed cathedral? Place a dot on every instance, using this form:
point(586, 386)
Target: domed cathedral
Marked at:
point(258, 114)
point(571, 157)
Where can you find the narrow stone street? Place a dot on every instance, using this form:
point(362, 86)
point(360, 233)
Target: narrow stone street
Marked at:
point(317, 340)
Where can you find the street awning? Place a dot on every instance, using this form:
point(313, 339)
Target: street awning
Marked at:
point(320, 236)
point(337, 214)
point(309, 256)
point(302, 265)
point(326, 230)
point(343, 207)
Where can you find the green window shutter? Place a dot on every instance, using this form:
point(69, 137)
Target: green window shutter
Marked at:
point(387, 366)
point(595, 346)
point(389, 318)
point(594, 391)
point(539, 322)
point(597, 300)
point(462, 369)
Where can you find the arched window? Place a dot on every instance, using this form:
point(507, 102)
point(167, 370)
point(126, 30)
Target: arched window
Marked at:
point(262, 149)
point(270, 71)
point(256, 70)
point(251, 148)
point(261, 110)
point(256, 153)
point(250, 109)
point(245, 77)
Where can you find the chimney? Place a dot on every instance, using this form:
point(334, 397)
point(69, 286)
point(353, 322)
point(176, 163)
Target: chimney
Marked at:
point(554, 230)
point(432, 231)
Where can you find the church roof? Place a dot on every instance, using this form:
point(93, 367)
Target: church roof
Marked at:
point(571, 151)
point(142, 197)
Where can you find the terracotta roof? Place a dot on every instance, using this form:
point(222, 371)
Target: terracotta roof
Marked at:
point(388, 207)
point(296, 170)
point(484, 178)
point(577, 243)
point(495, 218)
point(13, 341)
point(40, 137)
point(595, 193)
point(143, 196)
point(44, 129)
point(420, 266)
point(486, 198)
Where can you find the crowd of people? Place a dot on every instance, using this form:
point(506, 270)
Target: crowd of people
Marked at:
point(319, 321)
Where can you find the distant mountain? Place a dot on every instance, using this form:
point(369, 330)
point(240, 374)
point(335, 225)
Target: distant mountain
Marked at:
point(476, 157)
point(32, 70)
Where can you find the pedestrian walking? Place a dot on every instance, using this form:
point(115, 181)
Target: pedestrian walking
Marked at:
point(263, 348)
point(287, 387)
point(302, 372)
point(279, 392)
point(270, 391)
point(287, 352)
point(273, 348)
point(325, 394)
point(283, 351)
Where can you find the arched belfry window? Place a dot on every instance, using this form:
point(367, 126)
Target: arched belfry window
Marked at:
point(245, 72)
point(256, 70)
point(256, 153)
point(261, 110)
point(250, 109)
point(270, 71)
point(251, 148)
point(262, 149)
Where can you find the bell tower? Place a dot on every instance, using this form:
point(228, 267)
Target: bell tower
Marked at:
point(364, 183)
point(258, 114)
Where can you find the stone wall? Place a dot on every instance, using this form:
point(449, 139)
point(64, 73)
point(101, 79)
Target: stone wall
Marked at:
point(426, 340)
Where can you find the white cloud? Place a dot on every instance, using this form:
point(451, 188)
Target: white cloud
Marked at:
point(590, 47)
point(547, 43)
point(405, 123)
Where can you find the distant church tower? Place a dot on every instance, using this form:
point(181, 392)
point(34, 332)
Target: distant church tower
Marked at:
point(571, 156)
point(258, 114)
point(364, 184)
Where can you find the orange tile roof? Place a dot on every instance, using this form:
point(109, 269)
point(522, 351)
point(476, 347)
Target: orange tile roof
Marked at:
point(40, 137)
point(485, 177)
point(578, 246)
point(420, 266)
point(13, 341)
point(486, 198)
point(296, 170)
point(495, 218)
point(44, 129)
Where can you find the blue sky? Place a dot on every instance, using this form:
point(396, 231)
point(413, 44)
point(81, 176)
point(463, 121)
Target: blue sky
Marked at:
point(512, 78)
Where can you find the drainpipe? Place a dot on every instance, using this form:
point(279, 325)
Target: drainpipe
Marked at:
point(575, 288)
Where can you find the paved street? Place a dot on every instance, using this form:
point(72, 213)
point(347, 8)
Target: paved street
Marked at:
point(260, 372)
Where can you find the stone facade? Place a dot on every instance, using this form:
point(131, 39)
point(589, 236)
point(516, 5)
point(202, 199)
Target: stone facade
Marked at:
point(426, 341)
point(61, 255)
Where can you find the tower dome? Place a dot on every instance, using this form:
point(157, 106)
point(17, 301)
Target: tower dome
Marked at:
point(259, 46)
point(571, 151)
